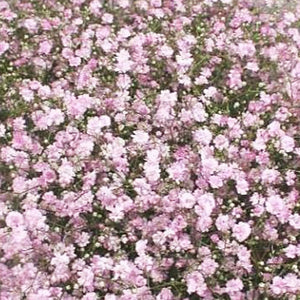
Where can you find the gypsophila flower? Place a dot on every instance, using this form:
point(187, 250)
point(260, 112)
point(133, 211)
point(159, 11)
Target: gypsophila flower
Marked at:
point(149, 149)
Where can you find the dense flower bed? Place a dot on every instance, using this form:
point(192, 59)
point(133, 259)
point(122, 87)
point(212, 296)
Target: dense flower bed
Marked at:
point(149, 149)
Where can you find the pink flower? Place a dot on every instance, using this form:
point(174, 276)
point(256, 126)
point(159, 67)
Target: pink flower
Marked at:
point(14, 219)
point(184, 59)
point(291, 251)
point(270, 176)
point(84, 147)
point(139, 140)
point(252, 66)
point(187, 200)
point(20, 185)
point(140, 137)
point(203, 136)
point(278, 286)
point(287, 143)
point(275, 204)
point(31, 25)
point(111, 296)
point(107, 18)
point(56, 116)
point(199, 112)
point(292, 283)
point(152, 172)
point(67, 53)
point(167, 98)
point(241, 231)
point(178, 171)
point(215, 181)
point(66, 173)
point(141, 247)
point(90, 296)
point(4, 46)
point(234, 285)
point(2, 130)
point(166, 51)
point(123, 81)
point(86, 279)
point(210, 165)
point(223, 223)
point(27, 94)
point(45, 47)
point(210, 92)
point(42, 294)
point(74, 61)
point(221, 142)
point(235, 78)
point(206, 204)
point(208, 266)
point(195, 283)
point(204, 223)
point(124, 64)
point(165, 294)
point(242, 186)
point(77, 106)
point(35, 220)
point(95, 125)
point(60, 259)
point(153, 156)
point(294, 221)
point(104, 121)
point(200, 80)
point(246, 49)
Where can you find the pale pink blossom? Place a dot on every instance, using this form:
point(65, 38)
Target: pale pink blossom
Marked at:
point(294, 221)
point(215, 181)
point(166, 51)
point(278, 285)
point(203, 136)
point(14, 219)
point(4, 46)
point(195, 283)
point(165, 294)
point(234, 285)
point(287, 143)
point(140, 137)
point(241, 231)
point(187, 200)
point(223, 223)
point(242, 186)
point(124, 63)
point(31, 25)
point(86, 278)
point(45, 47)
point(96, 124)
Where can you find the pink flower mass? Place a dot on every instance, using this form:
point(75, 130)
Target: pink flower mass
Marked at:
point(149, 149)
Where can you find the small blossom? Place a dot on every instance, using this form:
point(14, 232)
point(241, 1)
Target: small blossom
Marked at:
point(4, 46)
point(241, 231)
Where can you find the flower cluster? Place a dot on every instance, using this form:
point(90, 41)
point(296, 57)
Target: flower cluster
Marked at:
point(149, 149)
